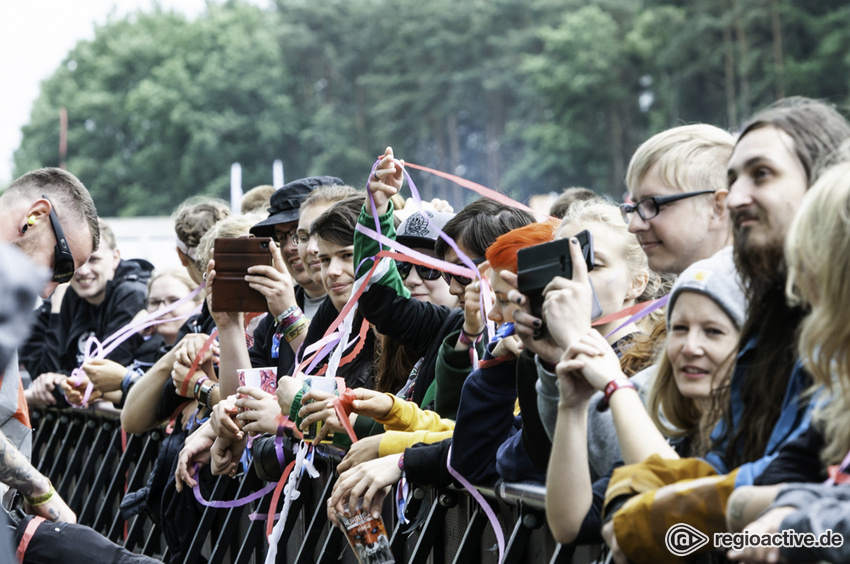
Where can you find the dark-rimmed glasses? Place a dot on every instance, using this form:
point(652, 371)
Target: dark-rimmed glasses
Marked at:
point(462, 280)
point(424, 272)
point(290, 236)
point(648, 207)
point(63, 260)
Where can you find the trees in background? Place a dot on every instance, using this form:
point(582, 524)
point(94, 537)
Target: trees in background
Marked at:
point(526, 96)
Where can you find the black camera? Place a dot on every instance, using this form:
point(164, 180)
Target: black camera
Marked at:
point(538, 265)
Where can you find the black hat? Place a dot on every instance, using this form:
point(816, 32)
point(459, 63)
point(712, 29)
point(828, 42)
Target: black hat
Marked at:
point(286, 202)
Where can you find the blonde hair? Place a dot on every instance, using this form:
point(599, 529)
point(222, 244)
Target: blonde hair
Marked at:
point(257, 199)
point(817, 251)
point(329, 194)
point(604, 212)
point(233, 226)
point(181, 276)
point(689, 158)
point(678, 416)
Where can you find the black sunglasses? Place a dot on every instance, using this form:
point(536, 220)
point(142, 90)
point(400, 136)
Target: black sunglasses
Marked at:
point(462, 280)
point(424, 272)
point(63, 260)
point(648, 207)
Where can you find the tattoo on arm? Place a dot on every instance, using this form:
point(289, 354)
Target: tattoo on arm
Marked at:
point(738, 507)
point(17, 472)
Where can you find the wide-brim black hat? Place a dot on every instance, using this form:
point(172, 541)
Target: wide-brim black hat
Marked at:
point(286, 202)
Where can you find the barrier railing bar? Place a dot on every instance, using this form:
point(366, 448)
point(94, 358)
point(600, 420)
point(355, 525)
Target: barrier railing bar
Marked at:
point(139, 474)
point(109, 460)
point(65, 448)
point(563, 554)
point(94, 460)
point(50, 446)
point(433, 528)
point(230, 518)
point(115, 491)
point(532, 495)
point(469, 551)
point(254, 542)
point(515, 549)
point(223, 486)
point(331, 547)
point(317, 524)
point(80, 454)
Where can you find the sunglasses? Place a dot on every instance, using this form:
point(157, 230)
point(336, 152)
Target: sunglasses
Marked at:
point(424, 272)
point(63, 260)
point(462, 280)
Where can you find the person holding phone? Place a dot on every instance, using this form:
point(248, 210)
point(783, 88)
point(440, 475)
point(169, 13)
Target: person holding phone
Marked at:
point(704, 319)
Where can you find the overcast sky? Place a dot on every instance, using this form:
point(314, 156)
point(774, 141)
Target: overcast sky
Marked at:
point(35, 36)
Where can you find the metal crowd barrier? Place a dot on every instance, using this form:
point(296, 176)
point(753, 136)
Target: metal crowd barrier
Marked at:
point(93, 463)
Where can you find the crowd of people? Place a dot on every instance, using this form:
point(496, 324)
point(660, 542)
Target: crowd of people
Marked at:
point(693, 369)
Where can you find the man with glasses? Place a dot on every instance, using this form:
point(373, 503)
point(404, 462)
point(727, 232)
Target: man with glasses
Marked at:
point(30, 213)
point(677, 184)
point(282, 225)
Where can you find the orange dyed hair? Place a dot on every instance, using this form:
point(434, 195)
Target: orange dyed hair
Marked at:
point(502, 253)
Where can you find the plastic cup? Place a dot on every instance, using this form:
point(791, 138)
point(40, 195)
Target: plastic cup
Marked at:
point(367, 536)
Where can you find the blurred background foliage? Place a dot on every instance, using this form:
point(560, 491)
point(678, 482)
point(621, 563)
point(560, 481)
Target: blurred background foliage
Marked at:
point(525, 96)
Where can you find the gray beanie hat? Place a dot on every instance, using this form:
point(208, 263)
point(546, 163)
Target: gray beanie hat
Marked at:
point(717, 278)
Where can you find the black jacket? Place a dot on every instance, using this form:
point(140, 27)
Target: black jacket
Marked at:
point(419, 326)
point(62, 349)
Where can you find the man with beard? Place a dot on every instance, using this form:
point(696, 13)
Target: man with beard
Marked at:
point(775, 161)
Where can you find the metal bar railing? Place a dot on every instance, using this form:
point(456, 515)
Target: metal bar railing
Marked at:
point(84, 449)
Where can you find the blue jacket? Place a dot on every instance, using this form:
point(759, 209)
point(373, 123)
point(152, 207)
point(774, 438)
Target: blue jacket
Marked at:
point(794, 418)
point(486, 441)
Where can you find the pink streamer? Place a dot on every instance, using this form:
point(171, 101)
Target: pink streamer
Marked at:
point(488, 511)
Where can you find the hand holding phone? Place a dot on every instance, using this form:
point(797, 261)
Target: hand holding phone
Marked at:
point(538, 265)
point(233, 256)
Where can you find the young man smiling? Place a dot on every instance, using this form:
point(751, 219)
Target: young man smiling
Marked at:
point(105, 294)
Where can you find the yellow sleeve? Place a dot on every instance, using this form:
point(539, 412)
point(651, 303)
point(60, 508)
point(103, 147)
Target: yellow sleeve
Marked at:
point(407, 416)
point(394, 442)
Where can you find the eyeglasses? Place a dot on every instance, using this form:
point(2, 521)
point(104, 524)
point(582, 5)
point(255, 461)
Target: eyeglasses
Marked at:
point(462, 280)
point(648, 207)
point(155, 303)
point(424, 272)
point(63, 260)
point(290, 236)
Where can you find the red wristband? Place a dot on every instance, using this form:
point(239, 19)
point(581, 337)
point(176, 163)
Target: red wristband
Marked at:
point(612, 387)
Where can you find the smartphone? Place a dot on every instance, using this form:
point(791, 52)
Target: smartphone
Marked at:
point(538, 265)
point(233, 256)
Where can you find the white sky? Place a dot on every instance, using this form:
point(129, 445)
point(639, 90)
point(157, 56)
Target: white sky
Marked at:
point(35, 36)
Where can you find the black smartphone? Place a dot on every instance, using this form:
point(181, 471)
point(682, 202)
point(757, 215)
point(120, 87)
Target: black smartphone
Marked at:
point(538, 265)
point(233, 256)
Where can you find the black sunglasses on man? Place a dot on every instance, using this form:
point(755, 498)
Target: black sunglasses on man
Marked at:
point(63, 260)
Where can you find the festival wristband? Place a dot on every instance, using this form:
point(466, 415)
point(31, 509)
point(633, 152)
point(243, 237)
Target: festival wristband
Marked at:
point(40, 500)
point(470, 339)
point(296, 406)
point(198, 383)
point(293, 312)
point(612, 387)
